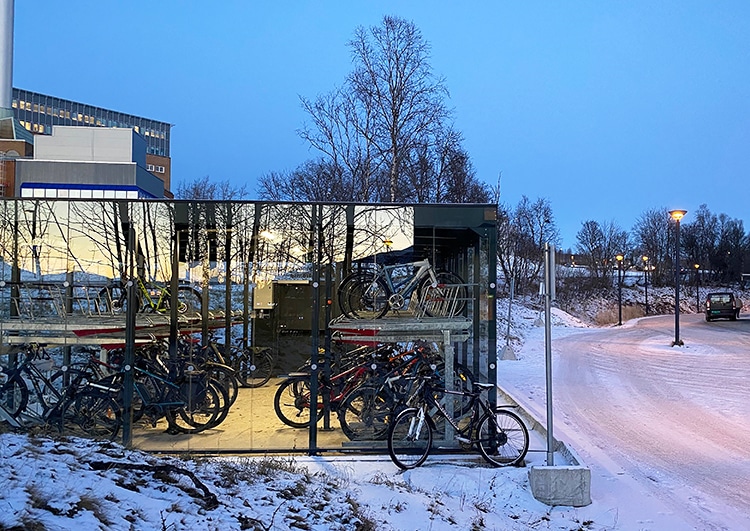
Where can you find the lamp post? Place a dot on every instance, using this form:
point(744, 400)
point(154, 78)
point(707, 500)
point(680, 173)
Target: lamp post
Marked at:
point(677, 215)
point(619, 259)
point(645, 278)
point(697, 288)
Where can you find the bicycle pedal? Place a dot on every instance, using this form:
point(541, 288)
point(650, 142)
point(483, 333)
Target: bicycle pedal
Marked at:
point(464, 440)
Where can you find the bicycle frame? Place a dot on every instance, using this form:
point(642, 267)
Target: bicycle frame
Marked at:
point(405, 289)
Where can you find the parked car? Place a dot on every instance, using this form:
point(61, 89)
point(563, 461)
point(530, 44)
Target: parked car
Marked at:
point(722, 305)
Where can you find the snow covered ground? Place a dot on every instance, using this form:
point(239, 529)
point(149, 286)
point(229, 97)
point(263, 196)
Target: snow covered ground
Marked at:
point(52, 484)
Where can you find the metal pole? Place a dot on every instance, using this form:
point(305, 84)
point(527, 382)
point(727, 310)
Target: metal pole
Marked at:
point(619, 292)
point(549, 265)
point(645, 275)
point(677, 340)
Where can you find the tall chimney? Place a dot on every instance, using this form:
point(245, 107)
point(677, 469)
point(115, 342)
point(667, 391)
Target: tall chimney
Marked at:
point(6, 53)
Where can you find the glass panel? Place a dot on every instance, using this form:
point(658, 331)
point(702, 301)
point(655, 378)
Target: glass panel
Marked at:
point(259, 281)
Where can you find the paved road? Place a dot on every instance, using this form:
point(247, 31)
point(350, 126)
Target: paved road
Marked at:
point(677, 419)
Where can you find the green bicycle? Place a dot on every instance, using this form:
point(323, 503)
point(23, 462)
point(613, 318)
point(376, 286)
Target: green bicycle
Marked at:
point(114, 299)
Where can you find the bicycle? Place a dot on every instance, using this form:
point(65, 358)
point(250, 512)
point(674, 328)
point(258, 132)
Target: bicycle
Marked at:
point(292, 401)
point(371, 294)
point(365, 412)
point(114, 298)
point(500, 435)
point(67, 400)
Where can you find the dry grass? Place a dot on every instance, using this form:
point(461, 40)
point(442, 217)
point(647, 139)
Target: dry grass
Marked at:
point(610, 315)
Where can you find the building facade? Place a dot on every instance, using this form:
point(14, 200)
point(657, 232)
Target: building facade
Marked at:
point(38, 113)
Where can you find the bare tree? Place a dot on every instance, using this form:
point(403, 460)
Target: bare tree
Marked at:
point(383, 136)
point(652, 236)
point(521, 235)
point(205, 188)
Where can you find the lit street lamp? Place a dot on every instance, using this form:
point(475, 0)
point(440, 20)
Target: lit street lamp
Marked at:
point(645, 278)
point(677, 215)
point(619, 259)
point(697, 288)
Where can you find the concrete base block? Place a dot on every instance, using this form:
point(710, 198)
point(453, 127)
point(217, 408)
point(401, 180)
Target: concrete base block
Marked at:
point(561, 485)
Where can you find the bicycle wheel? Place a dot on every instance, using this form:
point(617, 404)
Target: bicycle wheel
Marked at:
point(363, 414)
point(91, 414)
point(368, 298)
point(253, 369)
point(14, 395)
point(199, 410)
point(345, 287)
point(292, 402)
point(447, 298)
point(190, 300)
point(410, 438)
point(225, 377)
point(503, 439)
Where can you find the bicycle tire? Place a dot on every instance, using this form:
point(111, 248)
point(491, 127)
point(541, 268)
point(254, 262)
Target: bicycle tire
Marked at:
point(447, 298)
point(190, 300)
point(114, 299)
point(364, 414)
point(199, 411)
point(410, 438)
point(14, 394)
point(292, 402)
point(254, 369)
point(91, 414)
point(368, 299)
point(226, 377)
point(345, 287)
point(510, 442)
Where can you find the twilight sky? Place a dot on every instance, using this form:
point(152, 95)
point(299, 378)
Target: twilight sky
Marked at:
point(605, 108)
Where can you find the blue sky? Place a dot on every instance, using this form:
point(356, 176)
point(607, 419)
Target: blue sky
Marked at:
point(605, 108)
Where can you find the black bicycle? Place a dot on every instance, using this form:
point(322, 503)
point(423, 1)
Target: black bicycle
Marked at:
point(499, 434)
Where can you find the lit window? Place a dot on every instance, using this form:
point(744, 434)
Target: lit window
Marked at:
point(86, 119)
point(28, 105)
point(22, 105)
point(36, 107)
point(41, 109)
point(98, 122)
point(41, 128)
point(35, 128)
point(67, 115)
point(80, 117)
point(15, 104)
point(137, 129)
point(27, 125)
point(62, 113)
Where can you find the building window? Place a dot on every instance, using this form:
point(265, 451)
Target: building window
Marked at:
point(15, 104)
point(67, 115)
point(28, 105)
point(36, 107)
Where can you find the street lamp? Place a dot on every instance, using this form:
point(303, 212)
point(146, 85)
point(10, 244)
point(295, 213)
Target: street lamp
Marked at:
point(677, 215)
point(645, 278)
point(697, 288)
point(619, 259)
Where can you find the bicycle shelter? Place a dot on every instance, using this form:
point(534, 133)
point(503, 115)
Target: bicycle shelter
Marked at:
point(267, 274)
